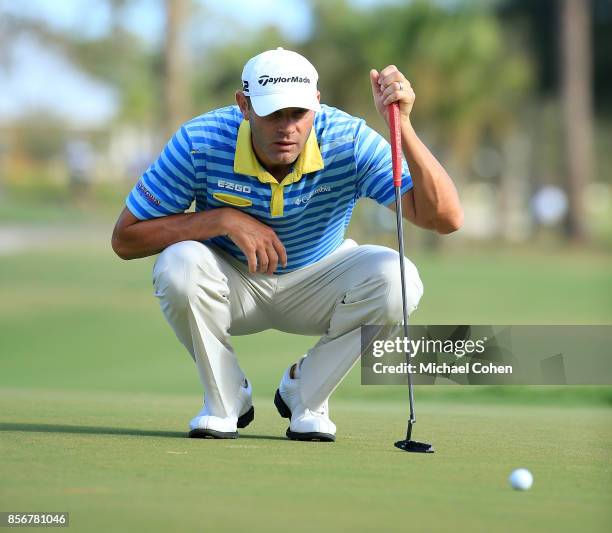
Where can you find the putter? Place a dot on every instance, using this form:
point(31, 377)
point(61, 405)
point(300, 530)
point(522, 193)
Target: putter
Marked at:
point(407, 445)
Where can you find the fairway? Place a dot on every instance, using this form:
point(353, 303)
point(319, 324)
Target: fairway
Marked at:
point(96, 394)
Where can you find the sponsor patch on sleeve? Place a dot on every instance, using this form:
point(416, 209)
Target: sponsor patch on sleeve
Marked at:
point(147, 194)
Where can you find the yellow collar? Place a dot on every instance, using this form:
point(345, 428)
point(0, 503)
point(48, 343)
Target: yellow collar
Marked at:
point(245, 161)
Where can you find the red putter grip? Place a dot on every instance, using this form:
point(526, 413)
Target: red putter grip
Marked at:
point(396, 143)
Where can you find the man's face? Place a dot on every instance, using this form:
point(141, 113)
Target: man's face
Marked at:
point(278, 138)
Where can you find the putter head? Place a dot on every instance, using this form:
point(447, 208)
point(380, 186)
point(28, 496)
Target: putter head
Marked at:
point(414, 446)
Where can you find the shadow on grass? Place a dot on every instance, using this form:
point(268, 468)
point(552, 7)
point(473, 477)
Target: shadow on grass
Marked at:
point(99, 430)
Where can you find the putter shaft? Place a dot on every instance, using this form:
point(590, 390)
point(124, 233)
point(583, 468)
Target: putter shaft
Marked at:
point(400, 240)
point(396, 159)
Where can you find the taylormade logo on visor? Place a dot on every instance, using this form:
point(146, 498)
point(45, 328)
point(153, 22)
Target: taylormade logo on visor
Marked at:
point(264, 79)
point(278, 79)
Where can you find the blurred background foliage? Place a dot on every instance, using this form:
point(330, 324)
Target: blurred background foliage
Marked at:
point(513, 96)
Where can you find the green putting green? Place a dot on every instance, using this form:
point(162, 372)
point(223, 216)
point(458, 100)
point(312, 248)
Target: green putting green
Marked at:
point(96, 394)
point(121, 462)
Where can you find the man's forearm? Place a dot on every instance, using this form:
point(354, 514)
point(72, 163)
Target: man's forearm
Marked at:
point(149, 237)
point(436, 202)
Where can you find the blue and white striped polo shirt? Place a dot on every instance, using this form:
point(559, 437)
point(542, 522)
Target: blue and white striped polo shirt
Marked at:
point(210, 160)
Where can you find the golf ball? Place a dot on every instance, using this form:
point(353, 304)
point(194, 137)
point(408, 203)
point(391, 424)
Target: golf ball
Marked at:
point(521, 479)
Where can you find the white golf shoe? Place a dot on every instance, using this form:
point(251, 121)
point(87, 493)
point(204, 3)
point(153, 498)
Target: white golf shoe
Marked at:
point(205, 425)
point(305, 424)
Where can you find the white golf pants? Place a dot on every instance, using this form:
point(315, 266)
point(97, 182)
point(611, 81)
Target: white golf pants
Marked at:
point(207, 296)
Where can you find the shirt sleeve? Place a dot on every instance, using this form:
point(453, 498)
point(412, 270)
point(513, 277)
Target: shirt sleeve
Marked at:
point(168, 185)
point(374, 167)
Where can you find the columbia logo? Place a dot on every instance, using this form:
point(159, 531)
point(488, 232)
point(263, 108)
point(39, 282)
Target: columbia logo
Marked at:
point(305, 199)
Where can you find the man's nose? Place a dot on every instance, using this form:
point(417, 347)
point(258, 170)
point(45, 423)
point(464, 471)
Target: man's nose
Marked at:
point(286, 123)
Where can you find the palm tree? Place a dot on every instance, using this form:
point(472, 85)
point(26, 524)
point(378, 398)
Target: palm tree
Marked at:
point(177, 91)
point(576, 93)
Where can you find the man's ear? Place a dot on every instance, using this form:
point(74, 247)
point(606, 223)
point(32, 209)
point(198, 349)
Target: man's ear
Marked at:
point(319, 96)
point(243, 104)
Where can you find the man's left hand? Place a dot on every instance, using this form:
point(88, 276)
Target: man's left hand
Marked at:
point(388, 86)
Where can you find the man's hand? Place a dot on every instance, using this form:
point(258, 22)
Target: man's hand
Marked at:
point(133, 238)
point(390, 85)
point(433, 202)
point(259, 243)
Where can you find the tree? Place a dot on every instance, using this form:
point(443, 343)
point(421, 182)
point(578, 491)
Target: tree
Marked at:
point(467, 77)
point(177, 87)
point(576, 94)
